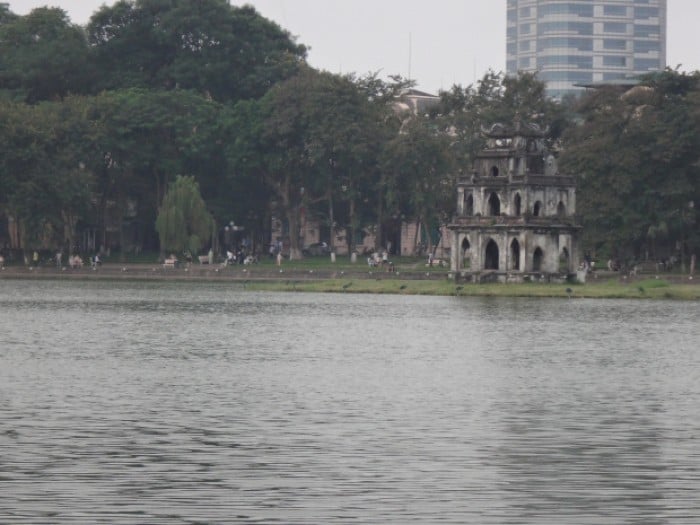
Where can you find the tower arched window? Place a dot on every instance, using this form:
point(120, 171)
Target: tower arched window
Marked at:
point(537, 210)
point(515, 254)
point(494, 205)
point(491, 256)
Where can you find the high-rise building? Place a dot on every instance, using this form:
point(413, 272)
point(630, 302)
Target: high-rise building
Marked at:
point(586, 42)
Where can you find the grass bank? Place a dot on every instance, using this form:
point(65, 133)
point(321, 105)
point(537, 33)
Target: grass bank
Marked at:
point(609, 289)
point(411, 276)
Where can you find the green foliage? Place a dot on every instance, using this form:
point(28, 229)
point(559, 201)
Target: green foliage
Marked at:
point(463, 112)
point(223, 52)
point(314, 140)
point(44, 183)
point(183, 222)
point(636, 154)
point(94, 123)
point(419, 172)
point(43, 56)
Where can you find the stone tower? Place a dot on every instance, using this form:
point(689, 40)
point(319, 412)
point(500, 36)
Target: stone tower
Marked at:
point(515, 213)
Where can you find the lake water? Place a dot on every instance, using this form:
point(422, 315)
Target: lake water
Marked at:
point(170, 403)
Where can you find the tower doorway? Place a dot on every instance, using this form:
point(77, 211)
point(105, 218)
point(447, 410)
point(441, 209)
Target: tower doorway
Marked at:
point(515, 254)
point(537, 259)
point(491, 259)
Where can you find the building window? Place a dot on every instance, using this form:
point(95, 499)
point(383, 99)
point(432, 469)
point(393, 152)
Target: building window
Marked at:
point(512, 15)
point(525, 29)
point(576, 61)
point(581, 44)
point(615, 27)
point(615, 43)
point(581, 28)
point(525, 45)
point(646, 31)
point(571, 8)
point(608, 77)
point(566, 76)
point(641, 13)
point(646, 46)
point(614, 10)
point(614, 61)
point(525, 12)
point(511, 48)
point(646, 64)
point(524, 63)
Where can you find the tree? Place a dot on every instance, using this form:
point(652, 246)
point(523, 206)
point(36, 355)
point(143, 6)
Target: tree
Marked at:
point(43, 56)
point(636, 155)
point(385, 125)
point(147, 136)
point(419, 169)
point(43, 175)
point(183, 223)
point(463, 112)
point(223, 52)
point(309, 139)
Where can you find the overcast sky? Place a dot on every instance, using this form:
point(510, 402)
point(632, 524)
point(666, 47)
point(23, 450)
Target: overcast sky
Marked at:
point(437, 44)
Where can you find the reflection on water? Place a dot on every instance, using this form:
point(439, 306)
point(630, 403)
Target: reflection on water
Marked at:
point(205, 403)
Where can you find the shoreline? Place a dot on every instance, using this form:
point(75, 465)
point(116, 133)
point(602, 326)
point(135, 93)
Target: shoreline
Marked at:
point(357, 280)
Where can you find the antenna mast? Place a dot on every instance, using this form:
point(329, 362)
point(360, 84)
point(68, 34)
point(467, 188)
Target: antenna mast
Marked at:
point(409, 57)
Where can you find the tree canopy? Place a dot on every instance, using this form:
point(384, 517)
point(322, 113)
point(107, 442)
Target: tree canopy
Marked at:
point(637, 155)
point(97, 123)
point(218, 50)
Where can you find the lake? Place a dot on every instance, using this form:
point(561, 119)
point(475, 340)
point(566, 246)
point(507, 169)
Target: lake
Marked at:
point(182, 403)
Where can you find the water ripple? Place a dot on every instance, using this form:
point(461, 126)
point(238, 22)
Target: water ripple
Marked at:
point(187, 403)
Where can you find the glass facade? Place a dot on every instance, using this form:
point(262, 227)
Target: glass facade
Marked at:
point(585, 41)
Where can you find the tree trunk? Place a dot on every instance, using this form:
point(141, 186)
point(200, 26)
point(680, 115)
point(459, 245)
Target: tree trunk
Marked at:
point(379, 235)
point(122, 236)
point(331, 220)
point(68, 231)
point(293, 220)
point(351, 235)
point(415, 237)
